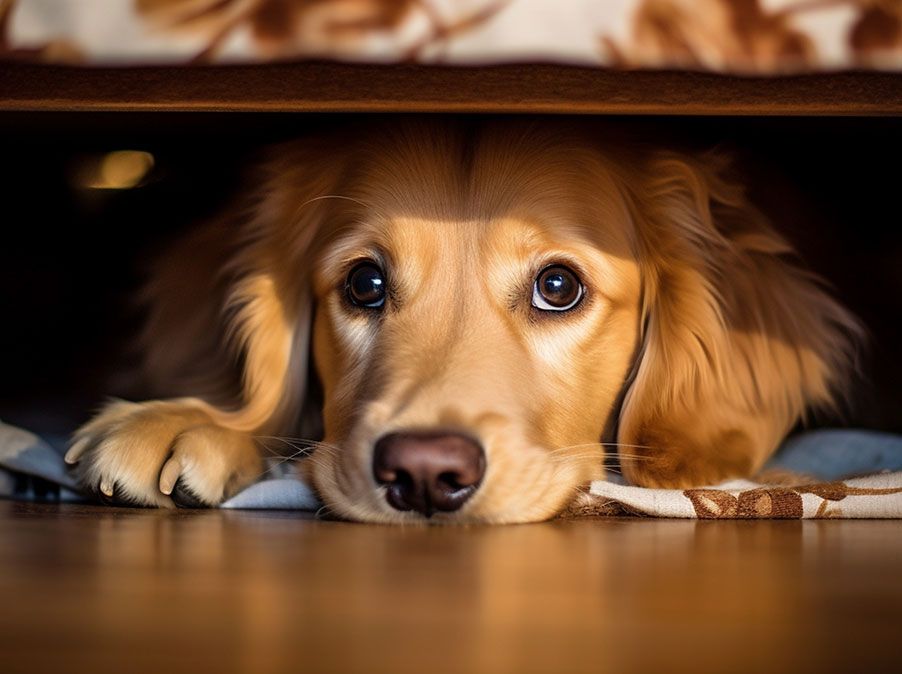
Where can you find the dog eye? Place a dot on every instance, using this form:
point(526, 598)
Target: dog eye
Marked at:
point(366, 285)
point(557, 288)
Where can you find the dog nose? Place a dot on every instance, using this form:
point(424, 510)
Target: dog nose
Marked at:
point(427, 472)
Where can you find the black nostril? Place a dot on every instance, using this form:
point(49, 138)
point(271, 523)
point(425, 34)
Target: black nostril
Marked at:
point(451, 481)
point(402, 481)
point(427, 471)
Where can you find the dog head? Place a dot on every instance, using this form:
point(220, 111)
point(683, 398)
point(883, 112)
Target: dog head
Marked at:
point(485, 303)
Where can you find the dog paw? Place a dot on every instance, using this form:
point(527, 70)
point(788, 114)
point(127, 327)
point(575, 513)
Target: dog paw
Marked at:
point(161, 453)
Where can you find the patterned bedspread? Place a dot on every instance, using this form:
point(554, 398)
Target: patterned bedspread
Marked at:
point(731, 36)
point(872, 496)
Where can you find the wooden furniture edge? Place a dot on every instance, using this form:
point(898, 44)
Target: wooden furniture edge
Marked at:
point(516, 88)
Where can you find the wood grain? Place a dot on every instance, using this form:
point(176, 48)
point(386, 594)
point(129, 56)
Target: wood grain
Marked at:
point(100, 589)
point(519, 88)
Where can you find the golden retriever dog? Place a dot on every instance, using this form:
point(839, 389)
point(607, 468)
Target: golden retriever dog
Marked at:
point(460, 316)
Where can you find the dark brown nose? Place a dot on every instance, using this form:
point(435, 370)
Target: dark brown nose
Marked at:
point(428, 471)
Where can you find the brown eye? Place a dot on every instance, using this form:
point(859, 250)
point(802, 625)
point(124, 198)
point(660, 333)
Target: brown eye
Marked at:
point(366, 285)
point(557, 288)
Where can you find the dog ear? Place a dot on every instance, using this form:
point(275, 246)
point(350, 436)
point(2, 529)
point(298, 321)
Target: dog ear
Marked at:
point(736, 340)
point(244, 279)
point(271, 303)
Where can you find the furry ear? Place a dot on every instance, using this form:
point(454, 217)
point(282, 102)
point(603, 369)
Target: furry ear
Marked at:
point(231, 307)
point(737, 341)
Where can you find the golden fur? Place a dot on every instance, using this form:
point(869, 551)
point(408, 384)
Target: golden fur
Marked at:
point(697, 346)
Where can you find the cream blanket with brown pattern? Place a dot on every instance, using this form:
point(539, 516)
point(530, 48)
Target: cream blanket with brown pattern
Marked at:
point(762, 37)
point(871, 496)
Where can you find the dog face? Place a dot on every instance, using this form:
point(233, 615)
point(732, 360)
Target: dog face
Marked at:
point(483, 303)
point(511, 325)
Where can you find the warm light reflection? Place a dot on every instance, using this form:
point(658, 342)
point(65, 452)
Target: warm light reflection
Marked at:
point(119, 170)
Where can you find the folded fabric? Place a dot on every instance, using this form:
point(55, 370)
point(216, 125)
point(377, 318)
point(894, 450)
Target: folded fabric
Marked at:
point(855, 474)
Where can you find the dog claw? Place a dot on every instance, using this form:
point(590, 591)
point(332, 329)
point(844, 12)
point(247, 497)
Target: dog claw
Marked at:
point(105, 493)
point(170, 473)
point(75, 451)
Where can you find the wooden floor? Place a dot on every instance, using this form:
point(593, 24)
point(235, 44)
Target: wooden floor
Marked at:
point(120, 590)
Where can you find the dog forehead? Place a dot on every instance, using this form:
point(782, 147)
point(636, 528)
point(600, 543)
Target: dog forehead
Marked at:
point(518, 203)
point(509, 240)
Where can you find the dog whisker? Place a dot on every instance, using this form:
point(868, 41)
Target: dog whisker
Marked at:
point(274, 466)
point(299, 443)
point(299, 453)
point(318, 443)
point(601, 444)
point(603, 457)
point(279, 453)
point(269, 449)
point(305, 451)
point(325, 509)
point(275, 452)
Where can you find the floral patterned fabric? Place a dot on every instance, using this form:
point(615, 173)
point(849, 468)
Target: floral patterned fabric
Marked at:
point(732, 36)
point(873, 496)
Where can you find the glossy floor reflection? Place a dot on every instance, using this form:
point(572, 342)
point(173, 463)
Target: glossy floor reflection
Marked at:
point(103, 589)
